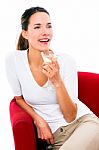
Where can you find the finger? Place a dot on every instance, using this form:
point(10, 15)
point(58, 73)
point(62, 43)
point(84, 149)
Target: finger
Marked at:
point(51, 140)
point(46, 73)
point(56, 63)
point(52, 66)
point(53, 70)
point(38, 132)
point(48, 141)
point(46, 66)
point(42, 137)
point(47, 70)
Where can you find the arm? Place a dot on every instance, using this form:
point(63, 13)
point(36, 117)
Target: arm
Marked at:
point(15, 84)
point(67, 106)
point(43, 130)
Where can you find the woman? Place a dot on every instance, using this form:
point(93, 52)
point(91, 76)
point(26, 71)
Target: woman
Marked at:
point(45, 86)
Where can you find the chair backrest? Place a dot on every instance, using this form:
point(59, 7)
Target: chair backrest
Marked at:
point(88, 90)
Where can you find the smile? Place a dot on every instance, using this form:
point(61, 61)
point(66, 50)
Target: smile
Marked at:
point(44, 40)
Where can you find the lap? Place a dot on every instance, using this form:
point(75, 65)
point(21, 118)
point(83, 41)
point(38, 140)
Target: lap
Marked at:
point(82, 134)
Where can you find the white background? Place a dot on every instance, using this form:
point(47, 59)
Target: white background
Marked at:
point(76, 32)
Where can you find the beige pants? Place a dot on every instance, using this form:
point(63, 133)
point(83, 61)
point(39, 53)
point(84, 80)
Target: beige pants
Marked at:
point(82, 134)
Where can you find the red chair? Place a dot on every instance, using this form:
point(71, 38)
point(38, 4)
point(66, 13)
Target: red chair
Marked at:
point(24, 131)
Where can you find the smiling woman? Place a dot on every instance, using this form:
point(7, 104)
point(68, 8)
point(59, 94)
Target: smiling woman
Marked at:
point(76, 25)
point(37, 33)
point(47, 91)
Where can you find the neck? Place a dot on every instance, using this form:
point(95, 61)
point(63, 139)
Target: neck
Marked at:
point(34, 57)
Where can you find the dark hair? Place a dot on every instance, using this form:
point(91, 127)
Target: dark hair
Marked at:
point(22, 42)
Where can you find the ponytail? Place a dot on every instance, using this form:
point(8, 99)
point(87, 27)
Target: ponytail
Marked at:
point(22, 43)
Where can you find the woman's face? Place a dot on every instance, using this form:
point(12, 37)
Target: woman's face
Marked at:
point(39, 33)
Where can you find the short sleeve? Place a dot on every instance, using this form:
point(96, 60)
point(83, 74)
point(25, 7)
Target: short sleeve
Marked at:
point(12, 74)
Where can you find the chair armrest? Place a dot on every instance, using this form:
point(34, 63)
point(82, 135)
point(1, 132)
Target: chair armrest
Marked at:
point(88, 90)
point(23, 129)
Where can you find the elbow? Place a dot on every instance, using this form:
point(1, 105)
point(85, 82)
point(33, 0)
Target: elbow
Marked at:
point(71, 116)
point(19, 99)
point(17, 102)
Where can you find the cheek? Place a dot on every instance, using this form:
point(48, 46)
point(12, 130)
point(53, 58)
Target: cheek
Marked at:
point(51, 33)
point(32, 37)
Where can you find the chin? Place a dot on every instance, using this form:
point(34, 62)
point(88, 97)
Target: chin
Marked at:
point(44, 48)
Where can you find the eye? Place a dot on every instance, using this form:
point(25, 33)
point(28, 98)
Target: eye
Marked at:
point(37, 27)
point(49, 26)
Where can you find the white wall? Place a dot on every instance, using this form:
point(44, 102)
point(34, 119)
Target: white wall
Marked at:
point(76, 31)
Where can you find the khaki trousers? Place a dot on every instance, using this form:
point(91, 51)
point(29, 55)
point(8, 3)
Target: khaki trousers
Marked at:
point(82, 134)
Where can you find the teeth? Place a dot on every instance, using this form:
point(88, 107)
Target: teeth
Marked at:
point(44, 40)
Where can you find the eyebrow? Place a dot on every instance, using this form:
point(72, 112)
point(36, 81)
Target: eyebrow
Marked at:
point(38, 24)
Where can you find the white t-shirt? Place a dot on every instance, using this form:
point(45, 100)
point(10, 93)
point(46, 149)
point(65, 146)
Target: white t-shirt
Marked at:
point(43, 99)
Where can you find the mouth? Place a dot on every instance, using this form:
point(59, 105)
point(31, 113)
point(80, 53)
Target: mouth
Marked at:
point(44, 40)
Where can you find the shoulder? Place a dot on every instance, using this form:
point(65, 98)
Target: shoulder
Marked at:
point(13, 61)
point(9, 59)
point(67, 64)
point(13, 55)
point(65, 59)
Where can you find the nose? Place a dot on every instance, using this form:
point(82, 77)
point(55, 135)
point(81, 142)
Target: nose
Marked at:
point(45, 32)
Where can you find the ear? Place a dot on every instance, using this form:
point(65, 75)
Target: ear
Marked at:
point(25, 34)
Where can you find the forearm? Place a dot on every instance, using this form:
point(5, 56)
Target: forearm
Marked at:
point(43, 129)
point(67, 106)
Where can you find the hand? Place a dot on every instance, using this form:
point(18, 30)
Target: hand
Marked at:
point(51, 70)
point(43, 130)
